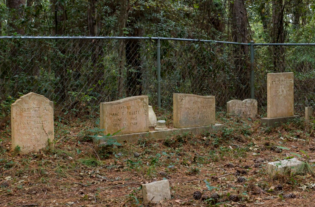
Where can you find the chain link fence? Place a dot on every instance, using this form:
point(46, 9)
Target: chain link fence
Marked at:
point(204, 68)
point(78, 73)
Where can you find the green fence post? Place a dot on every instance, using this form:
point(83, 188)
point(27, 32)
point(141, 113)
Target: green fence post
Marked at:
point(252, 73)
point(159, 71)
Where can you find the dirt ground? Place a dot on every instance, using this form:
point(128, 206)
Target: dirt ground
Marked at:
point(227, 168)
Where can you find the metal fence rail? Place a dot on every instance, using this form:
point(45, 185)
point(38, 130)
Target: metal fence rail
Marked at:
point(78, 73)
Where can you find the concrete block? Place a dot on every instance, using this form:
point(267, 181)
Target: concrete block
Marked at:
point(156, 191)
point(163, 134)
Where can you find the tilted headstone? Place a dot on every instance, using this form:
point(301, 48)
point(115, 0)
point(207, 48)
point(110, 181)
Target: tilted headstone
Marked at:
point(245, 108)
point(280, 95)
point(156, 191)
point(191, 110)
point(130, 115)
point(32, 122)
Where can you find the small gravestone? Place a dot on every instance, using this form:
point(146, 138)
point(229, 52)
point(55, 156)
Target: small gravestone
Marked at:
point(291, 166)
point(280, 98)
point(191, 110)
point(130, 115)
point(245, 108)
point(32, 122)
point(308, 113)
point(152, 117)
point(161, 125)
point(156, 191)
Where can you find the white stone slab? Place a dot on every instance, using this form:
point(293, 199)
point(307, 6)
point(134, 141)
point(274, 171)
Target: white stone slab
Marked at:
point(156, 191)
point(283, 166)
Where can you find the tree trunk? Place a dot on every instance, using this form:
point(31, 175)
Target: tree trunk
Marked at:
point(297, 13)
point(123, 17)
point(16, 12)
point(240, 33)
point(60, 17)
point(92, 18)
point(264, 13)
point(133, 61)
point(278, 35)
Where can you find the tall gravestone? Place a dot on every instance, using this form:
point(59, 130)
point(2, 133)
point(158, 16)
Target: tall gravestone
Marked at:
point(245, 108)
point(130, 115)
point(280, 95)
point(191, 110)
point(32, 122)
point(280, 98)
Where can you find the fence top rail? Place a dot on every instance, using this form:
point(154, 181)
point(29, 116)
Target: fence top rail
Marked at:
point(116, 37)
point(156, 38)
point(284, 44)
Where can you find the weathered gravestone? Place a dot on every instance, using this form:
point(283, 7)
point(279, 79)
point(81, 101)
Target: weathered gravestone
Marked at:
point(156, 191)
point(246, 108)
point(130, 115)
point(191, 110)
point(280, 98)
point(32, 122)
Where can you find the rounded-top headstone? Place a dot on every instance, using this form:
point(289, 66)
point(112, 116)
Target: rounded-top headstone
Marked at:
point(32, 123)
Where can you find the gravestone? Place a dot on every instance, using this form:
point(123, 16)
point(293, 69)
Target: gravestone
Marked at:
point(308, 113)
point(32, 122)
point(161, 125)
point(130, 115)
point(245, 108)
point(280, 98)
point(191, 110)
point(280, 95)
point(156, 191)
point(152, 117)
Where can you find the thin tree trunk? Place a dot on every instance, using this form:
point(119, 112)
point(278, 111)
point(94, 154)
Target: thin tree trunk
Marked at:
point(297, 13)
point(121, 48)
point(92, 18)
point(278, 34)
point(264, 13)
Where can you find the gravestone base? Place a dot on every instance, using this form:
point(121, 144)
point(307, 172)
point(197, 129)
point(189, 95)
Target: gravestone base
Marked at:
point(272, 122)
point(160, 135)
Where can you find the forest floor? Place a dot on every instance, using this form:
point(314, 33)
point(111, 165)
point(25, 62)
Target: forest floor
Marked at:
point(227, 168)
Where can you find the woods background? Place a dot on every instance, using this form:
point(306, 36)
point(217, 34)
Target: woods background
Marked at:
point(78, 74)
